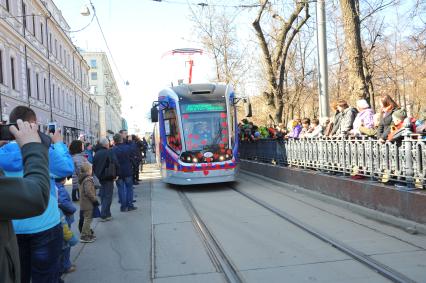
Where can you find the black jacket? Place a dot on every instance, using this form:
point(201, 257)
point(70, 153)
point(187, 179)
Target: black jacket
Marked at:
point(21, 198)
point(101, 161)
point(385, 126)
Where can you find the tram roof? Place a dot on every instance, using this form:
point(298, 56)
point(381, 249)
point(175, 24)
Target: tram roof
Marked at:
point(200, 91)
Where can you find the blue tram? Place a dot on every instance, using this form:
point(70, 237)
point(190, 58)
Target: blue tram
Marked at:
point(196, 134)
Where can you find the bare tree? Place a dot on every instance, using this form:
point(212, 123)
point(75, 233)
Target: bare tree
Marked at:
point(217, 33)
point(351, 22)
point(275, 49)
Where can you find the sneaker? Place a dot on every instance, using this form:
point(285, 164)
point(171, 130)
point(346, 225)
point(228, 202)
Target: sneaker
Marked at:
point(132, 208)
point(71, 269)
point(124, 209)
point(105, 219)
point(88, 239)
point(93, 237)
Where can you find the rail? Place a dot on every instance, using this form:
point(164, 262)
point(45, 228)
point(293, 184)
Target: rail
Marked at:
point(403, 162)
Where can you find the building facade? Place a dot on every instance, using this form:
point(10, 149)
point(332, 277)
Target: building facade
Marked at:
point(40, 67)
point(104, 89)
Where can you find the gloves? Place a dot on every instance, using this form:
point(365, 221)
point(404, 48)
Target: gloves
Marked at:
point(96, 203)
point(73, 241)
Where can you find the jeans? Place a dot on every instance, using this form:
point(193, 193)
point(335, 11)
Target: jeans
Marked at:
point(125, 191)
point(106, 198)
point(40, 255)
point(75, 194)
point(65, 260)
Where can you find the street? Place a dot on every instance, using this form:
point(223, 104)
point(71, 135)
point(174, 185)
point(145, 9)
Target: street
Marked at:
point(163, 242)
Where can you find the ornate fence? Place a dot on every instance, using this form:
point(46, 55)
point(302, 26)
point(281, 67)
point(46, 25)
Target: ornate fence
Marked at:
point(404, 162)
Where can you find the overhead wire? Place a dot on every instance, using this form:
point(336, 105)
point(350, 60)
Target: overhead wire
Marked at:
point(205, 4)
point(106, 43)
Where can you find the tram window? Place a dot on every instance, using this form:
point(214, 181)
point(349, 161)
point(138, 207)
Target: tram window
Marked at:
point(171, 128)
point(232, 123)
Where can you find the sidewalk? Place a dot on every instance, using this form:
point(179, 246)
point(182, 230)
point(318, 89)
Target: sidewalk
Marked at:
point(122, 250)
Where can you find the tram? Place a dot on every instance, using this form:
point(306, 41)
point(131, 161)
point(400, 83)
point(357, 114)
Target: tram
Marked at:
point(196, 134)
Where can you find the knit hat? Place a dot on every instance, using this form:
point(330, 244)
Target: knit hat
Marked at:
point(399, 114)
point(362, 104)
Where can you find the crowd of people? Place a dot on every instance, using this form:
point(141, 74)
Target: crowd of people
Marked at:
point(42, 216)
point(390, 123)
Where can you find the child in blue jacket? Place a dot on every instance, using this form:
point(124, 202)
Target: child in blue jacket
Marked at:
point(68, 209)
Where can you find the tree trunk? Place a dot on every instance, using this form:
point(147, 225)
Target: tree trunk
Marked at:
point(350, 14)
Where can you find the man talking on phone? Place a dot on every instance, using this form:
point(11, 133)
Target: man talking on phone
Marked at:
point(22, 197)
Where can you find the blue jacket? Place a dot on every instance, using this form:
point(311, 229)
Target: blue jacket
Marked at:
point(89, 155)
point(65, 203)
point(123, 152)
point(60, 165)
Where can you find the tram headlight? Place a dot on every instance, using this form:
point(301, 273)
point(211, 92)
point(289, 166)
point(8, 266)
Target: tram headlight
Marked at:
point(221, 158)
point(227, 156)
point(188, 159)
point(194, 160)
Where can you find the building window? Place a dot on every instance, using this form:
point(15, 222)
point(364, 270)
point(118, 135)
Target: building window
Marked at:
point(94, 76)
point(34, 25)
point(37, 87)
point(7, 6)
point(29, 81)
point(1, 67)
point(45, 90)
point(56, 48)
point(93, 64)
point(42, 33)
point(60, 53)
point(50, 43)
point(54, 95)
point(12, 72)
point(24, 15)
point(58, 95)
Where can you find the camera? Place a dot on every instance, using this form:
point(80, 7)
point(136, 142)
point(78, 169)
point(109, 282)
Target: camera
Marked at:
point(52, 127)
point(5, 134)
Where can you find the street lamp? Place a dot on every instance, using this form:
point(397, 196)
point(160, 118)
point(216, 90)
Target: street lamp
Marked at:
point(85, 11)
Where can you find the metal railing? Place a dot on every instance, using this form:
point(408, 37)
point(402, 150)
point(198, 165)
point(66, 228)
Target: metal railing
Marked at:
point(404, 162)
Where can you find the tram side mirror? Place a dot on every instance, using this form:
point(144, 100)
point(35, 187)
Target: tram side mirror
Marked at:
point(247, 108)
point(154, 114)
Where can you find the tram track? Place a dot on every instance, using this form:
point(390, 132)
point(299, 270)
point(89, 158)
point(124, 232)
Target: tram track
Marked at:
point(219, 258)
point(382, 269)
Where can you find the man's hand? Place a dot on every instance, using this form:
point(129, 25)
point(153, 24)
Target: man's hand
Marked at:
point(57, 136)
point(26, 133)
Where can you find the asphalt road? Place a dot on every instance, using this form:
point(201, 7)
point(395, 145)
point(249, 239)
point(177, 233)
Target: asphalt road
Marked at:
point(159, 241)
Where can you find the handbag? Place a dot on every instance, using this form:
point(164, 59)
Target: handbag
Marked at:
point(110, 171)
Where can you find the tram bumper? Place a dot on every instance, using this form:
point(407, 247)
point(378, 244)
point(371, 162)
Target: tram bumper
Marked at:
point(201, 177)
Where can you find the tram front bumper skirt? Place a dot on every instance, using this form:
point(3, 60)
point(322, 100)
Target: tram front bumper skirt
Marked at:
point(200, 177)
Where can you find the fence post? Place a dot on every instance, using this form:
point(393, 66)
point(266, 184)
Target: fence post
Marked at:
point(409, 172)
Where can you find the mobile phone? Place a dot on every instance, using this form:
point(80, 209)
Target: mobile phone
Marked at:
point(5, 134)
point(52, 127)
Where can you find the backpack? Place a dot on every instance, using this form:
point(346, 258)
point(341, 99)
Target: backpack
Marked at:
point(110, 171)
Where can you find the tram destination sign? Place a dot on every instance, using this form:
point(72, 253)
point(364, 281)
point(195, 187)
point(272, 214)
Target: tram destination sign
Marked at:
point(203, 107)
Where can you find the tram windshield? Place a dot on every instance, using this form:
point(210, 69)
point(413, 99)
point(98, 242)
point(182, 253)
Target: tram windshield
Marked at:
point(205, 126)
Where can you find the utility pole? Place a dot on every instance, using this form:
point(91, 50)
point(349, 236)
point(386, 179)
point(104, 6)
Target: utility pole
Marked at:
point(324, 108)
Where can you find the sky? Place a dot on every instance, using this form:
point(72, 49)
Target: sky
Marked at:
point(139, 33)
